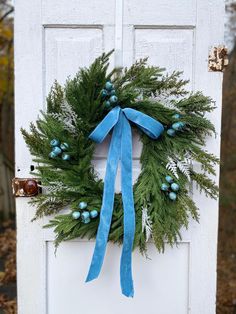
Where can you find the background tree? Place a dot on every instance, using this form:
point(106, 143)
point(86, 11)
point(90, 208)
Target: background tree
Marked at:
point(227, 233)
point(7, 230)
point(6, 79)
point(6, 108)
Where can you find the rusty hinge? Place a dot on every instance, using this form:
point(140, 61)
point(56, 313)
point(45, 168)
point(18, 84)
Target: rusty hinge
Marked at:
point(26, 187)
point(218, 59)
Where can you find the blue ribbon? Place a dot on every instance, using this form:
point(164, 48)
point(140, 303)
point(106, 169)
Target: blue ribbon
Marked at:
point(120, 150)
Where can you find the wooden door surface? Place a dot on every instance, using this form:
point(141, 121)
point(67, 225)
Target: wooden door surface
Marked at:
point(52, 40)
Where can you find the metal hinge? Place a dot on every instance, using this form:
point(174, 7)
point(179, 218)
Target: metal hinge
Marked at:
point(218, 59)
point(26, 187)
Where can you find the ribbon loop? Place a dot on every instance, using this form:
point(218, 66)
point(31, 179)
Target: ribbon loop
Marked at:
point(105, 126)
point(120, 150)
point(149, 125)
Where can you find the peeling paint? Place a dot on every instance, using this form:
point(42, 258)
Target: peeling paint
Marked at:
point(218, 59)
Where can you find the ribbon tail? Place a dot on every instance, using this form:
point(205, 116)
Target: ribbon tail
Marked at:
point(107, 204)
point(129, 213)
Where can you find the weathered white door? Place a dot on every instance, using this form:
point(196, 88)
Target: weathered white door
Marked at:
point(53, 39)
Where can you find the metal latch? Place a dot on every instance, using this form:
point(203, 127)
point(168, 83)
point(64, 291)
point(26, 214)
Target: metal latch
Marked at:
point(218, 59)
point(26, 187)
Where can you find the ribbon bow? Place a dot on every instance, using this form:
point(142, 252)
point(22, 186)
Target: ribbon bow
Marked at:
point(120, 150)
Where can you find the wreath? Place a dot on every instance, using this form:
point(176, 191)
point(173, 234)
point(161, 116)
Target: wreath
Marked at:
point(172, 127)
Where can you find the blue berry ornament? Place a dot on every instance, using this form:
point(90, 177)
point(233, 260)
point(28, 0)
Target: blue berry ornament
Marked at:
point(170, 132)
point(85, 215)
point(94, 213)
point(113, 99)
point(104, 93)
point(112, 92)
point(169, 179)
point(176, 116)
point(107, 104)
point(172, 196)
point(174, 187)
point(56, 150)
point(82, 205)
point(54, 143)
point(177, 126)
point(108, 86)
point(76, 215)
point(65, 157)
point(86, 221)
point(182, 124)
point(64, 146)
point(52, 155)
point(164, 187)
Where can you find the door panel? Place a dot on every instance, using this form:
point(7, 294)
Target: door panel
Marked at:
point(66, 50)
point(52, 40)
point(169, 48)
point(67, 292)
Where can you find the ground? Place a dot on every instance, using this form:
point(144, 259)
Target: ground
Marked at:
point(8, 268)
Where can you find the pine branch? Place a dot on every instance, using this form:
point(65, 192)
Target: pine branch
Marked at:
point(205, 184)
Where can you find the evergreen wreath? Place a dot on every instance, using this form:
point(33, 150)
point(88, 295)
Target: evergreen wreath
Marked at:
point(60, 144)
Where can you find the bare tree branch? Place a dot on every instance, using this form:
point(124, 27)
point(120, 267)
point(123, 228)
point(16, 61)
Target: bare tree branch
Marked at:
point(6, 14)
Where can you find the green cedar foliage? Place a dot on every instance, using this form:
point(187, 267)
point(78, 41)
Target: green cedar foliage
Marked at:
point(74, 110)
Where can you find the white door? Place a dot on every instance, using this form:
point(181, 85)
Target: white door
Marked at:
point(53, 39)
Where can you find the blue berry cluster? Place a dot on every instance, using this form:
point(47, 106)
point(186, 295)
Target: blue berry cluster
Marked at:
point(170, 188)
point(109, 95)
point(85, 215)
point(59, 149)
point(176, 126)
